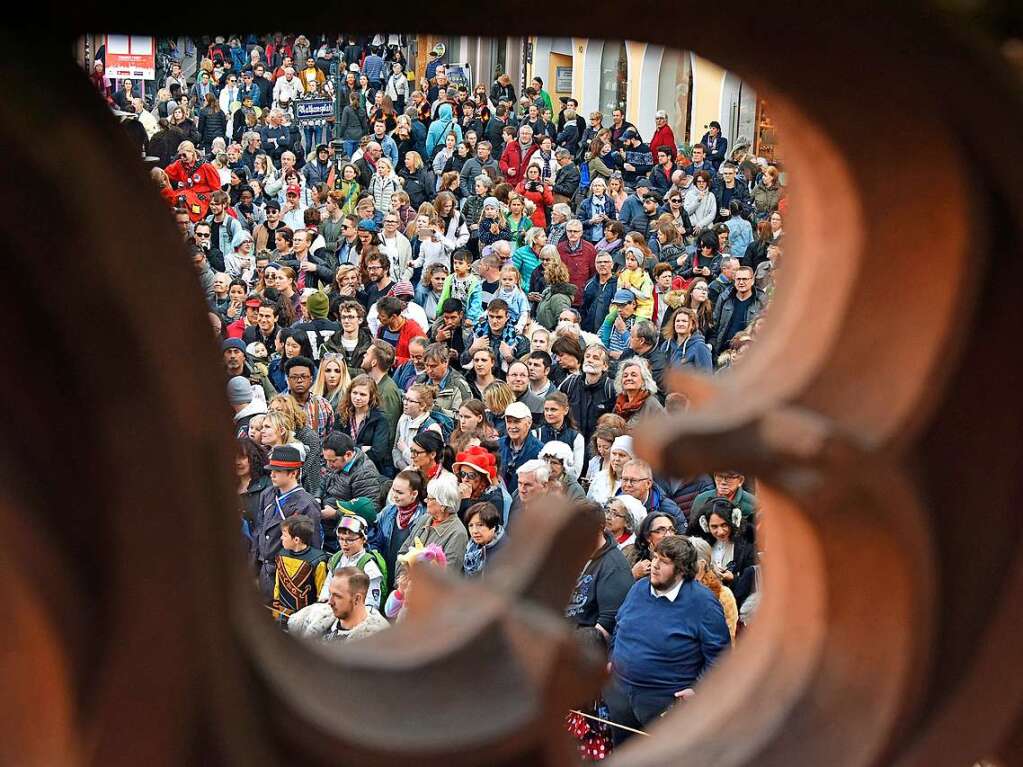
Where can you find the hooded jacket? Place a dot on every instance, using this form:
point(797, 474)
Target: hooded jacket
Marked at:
point(555, 299)
point(440, 127)
point(693, 351)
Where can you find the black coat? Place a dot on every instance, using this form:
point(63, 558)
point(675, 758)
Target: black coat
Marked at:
point(566, 180)
point(418, 186)
point(212, 124)
point(164, 144)
point(375, 434)
point(267, 538)
point(588, 402)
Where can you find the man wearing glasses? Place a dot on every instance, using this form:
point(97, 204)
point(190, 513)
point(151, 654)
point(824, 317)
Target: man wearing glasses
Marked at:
point(319, 413)
point(738, 306)
point(638, 481)
point(578, 255)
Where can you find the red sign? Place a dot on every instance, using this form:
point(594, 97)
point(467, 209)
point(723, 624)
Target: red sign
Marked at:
point(130, 56)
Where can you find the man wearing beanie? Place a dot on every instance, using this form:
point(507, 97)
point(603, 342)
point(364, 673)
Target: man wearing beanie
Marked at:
point(245, 405)
point(318, 329)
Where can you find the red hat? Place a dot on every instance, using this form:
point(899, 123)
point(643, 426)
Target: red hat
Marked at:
point(294, 189)
point(254, 302)
point(478, 459)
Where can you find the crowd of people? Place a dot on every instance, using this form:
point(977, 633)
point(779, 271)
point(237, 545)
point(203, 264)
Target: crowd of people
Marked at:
point(463, 304)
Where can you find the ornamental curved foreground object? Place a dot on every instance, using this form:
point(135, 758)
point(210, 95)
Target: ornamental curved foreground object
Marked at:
point(880, 415)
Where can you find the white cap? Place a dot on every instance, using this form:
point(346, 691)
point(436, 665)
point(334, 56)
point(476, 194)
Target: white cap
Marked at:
point(559, 450)
point(624, 443)
point(635, 508)
point(518, 410)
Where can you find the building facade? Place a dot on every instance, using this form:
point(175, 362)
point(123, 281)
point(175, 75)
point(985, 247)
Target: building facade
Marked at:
point(639, 77)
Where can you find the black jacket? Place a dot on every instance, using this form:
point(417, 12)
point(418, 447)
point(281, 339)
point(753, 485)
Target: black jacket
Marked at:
point(588, 402)
point(212, 123)
point(601, 588)
point(566, 180)
point(723, 310)
point(418, 186)
point(353, 359)
point(375, 434)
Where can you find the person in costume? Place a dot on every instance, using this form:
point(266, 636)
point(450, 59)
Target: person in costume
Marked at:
point(193, 180)
point(301, 569)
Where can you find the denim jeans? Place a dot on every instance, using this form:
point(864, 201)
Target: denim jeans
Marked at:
point(634, 706)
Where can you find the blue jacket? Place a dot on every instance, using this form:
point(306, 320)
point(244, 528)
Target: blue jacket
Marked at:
point(384, 527)
point(632, 215)
point(594, 232)
point(510, 463)
point(438, 129)
point(597, 302)
point(693, 351)
point(659, 503)
point(663, 645)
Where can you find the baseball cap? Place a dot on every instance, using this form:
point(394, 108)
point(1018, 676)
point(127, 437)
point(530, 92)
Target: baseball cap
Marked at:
point(352, 523)
point(623, 296)
point(361, 507)
point(294, 189)
point(272, 205)
point(518, 410)
point(368, 225)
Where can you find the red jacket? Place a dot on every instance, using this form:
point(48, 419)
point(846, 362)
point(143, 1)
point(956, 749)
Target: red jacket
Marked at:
point(512, 157)
point(580, 266)
point(196, 184)
point(541, 200)
point(663, 136)
point(408, 331)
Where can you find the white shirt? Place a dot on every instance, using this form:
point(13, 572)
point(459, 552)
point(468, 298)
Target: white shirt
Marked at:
point(671, 594)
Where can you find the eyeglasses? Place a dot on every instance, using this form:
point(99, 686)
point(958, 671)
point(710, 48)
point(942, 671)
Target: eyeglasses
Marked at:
point(664, 530)
point(468, 476)
point(299, 376)
point(349, 538)
point(417, 451)
point(201, 236)
point(613, 513)
point(634, 480)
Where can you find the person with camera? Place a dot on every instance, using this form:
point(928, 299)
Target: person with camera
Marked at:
point(541, 194)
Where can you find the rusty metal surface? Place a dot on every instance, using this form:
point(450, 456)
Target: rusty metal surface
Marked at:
point(881, 413)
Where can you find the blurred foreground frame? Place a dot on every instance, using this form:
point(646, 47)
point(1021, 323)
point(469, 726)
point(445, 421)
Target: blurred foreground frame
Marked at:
point(880, 412)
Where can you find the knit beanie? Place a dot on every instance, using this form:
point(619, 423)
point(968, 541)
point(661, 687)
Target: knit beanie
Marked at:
point(491, 202)
point(239, 391)
point(317, 304)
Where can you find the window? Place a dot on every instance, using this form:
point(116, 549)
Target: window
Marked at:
point(614, 78)
point(675, 91)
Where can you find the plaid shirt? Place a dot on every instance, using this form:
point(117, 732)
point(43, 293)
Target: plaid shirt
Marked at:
point(319, 415)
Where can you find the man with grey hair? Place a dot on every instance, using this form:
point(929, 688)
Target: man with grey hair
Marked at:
point(502, 249)
point(638, 481)
point(287, 88)
point(517, 154)
point(728, 266)
point(578, 256)
point(644, 343)
point(251, 142)
point(566, 180)
point(533, 477)
point(475, 166)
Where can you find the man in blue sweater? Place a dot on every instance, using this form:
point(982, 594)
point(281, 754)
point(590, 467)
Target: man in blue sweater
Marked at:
point(669, 630)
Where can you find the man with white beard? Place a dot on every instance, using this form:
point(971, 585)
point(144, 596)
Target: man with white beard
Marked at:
point(590, 393)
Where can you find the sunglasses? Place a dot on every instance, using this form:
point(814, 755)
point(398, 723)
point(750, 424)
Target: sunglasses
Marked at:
point(468, 476)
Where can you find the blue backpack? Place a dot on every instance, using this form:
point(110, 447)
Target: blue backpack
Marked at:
point(443, 420)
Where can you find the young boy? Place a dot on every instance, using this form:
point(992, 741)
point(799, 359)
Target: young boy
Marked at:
point(464, 285)
point(351, 536)
point(301, 569)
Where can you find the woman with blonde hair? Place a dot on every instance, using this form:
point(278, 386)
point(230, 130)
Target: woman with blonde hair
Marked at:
point(382, 185)
point(332, 379)
point(287, 406)
point(416, 418)
point(705, 574)
point(497, 397)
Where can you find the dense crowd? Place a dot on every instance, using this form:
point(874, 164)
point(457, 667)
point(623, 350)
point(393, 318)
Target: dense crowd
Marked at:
point(460, 304)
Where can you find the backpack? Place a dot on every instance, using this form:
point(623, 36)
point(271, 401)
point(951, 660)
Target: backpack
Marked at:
point(443, 420)
point(364, 559)
point(376, 556)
